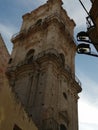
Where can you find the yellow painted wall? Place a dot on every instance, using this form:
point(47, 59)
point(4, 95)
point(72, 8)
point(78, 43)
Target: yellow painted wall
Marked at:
point(11, 110)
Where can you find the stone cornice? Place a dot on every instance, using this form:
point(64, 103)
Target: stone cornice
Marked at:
point(46, 57)
point(53, 18)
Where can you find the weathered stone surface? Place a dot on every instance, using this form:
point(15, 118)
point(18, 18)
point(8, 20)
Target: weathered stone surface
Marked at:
point(42, 71)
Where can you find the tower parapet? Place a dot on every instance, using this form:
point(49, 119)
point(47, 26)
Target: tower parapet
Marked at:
point(52, 9)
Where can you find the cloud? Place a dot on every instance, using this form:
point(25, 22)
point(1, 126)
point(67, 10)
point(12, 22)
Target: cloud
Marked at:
point(30, 4)
point(88, 112)
point(7, 31)
point(87, 116)
point(88, 102)
point(86, 67)
point(89, 85)
point(76, 11)
point(88, 126)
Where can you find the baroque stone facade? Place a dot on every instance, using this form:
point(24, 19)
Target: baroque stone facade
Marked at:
point(41, 69)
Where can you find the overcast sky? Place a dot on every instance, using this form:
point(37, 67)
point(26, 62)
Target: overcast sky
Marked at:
point(11, 12)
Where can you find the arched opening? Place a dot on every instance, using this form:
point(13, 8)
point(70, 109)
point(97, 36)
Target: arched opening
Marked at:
point(39, 21)
point(29, 56)
point(62, 58)
point(63, 127)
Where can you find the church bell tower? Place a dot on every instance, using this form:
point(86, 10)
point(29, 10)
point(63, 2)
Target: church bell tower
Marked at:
point(41, 69)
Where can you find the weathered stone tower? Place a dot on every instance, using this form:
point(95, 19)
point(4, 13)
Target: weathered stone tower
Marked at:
point(41, 69)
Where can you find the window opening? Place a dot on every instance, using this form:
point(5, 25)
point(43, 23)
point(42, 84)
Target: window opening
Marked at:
point(64, 94)
point(62, 127)
point(38, 22)
point(10, 61)
point(30, 55)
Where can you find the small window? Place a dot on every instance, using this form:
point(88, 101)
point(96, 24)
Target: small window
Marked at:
point(16, 127)
point(29, 56)
point(30, 52)
point(10, 61)
point(62, 58)
point(64, 94)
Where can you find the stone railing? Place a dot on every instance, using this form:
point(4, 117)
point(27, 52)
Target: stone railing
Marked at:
point(18, 35)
